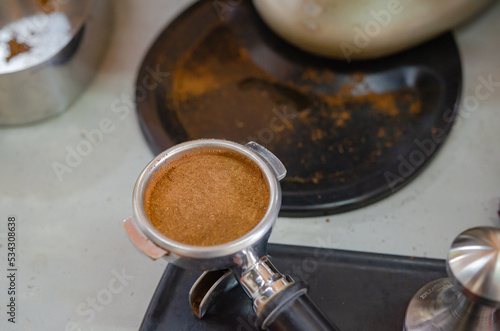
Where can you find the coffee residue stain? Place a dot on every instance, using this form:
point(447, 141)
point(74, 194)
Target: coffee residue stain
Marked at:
point(195, 305)
point(16, 48)
point(47, 6)
point(218, 91)
point(217, 81)
point(318, 77)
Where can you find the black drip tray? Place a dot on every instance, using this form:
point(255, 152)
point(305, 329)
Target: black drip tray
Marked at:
point(358, 291)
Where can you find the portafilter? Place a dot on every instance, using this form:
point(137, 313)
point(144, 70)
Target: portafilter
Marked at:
point(279, 302)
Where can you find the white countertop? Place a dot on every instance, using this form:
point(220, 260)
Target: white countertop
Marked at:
point(71, 242)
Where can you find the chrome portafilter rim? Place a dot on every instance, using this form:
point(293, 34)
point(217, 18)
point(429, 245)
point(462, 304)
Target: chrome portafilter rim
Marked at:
point(215, 251)
point(245, 256)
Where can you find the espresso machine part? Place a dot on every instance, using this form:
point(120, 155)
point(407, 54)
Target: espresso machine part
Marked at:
point(469, 299)
point(208, 287)
point(279, 302)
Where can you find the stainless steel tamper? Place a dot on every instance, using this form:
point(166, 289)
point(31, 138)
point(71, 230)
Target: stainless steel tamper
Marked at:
point(469, 299)
point(279, 302)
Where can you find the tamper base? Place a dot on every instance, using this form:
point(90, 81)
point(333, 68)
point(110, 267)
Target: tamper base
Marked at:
point(440, 306)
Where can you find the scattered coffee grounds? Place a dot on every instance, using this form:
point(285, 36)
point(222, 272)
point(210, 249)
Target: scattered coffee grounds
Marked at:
point(325, 126)
point(16, 48)
point(219, 76)
point(46, 6)
point(207, 198)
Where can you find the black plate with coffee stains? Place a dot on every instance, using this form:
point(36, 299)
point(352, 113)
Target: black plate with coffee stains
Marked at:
point(348, 133)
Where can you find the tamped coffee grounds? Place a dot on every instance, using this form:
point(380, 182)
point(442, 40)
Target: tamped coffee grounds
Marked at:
point(207, 198)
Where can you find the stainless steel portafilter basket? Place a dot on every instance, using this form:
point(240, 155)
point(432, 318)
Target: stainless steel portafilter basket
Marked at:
point(469, 299)
point(279, 302)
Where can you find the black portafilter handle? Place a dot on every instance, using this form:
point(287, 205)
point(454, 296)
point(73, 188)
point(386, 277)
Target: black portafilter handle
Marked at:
point(293, 310)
